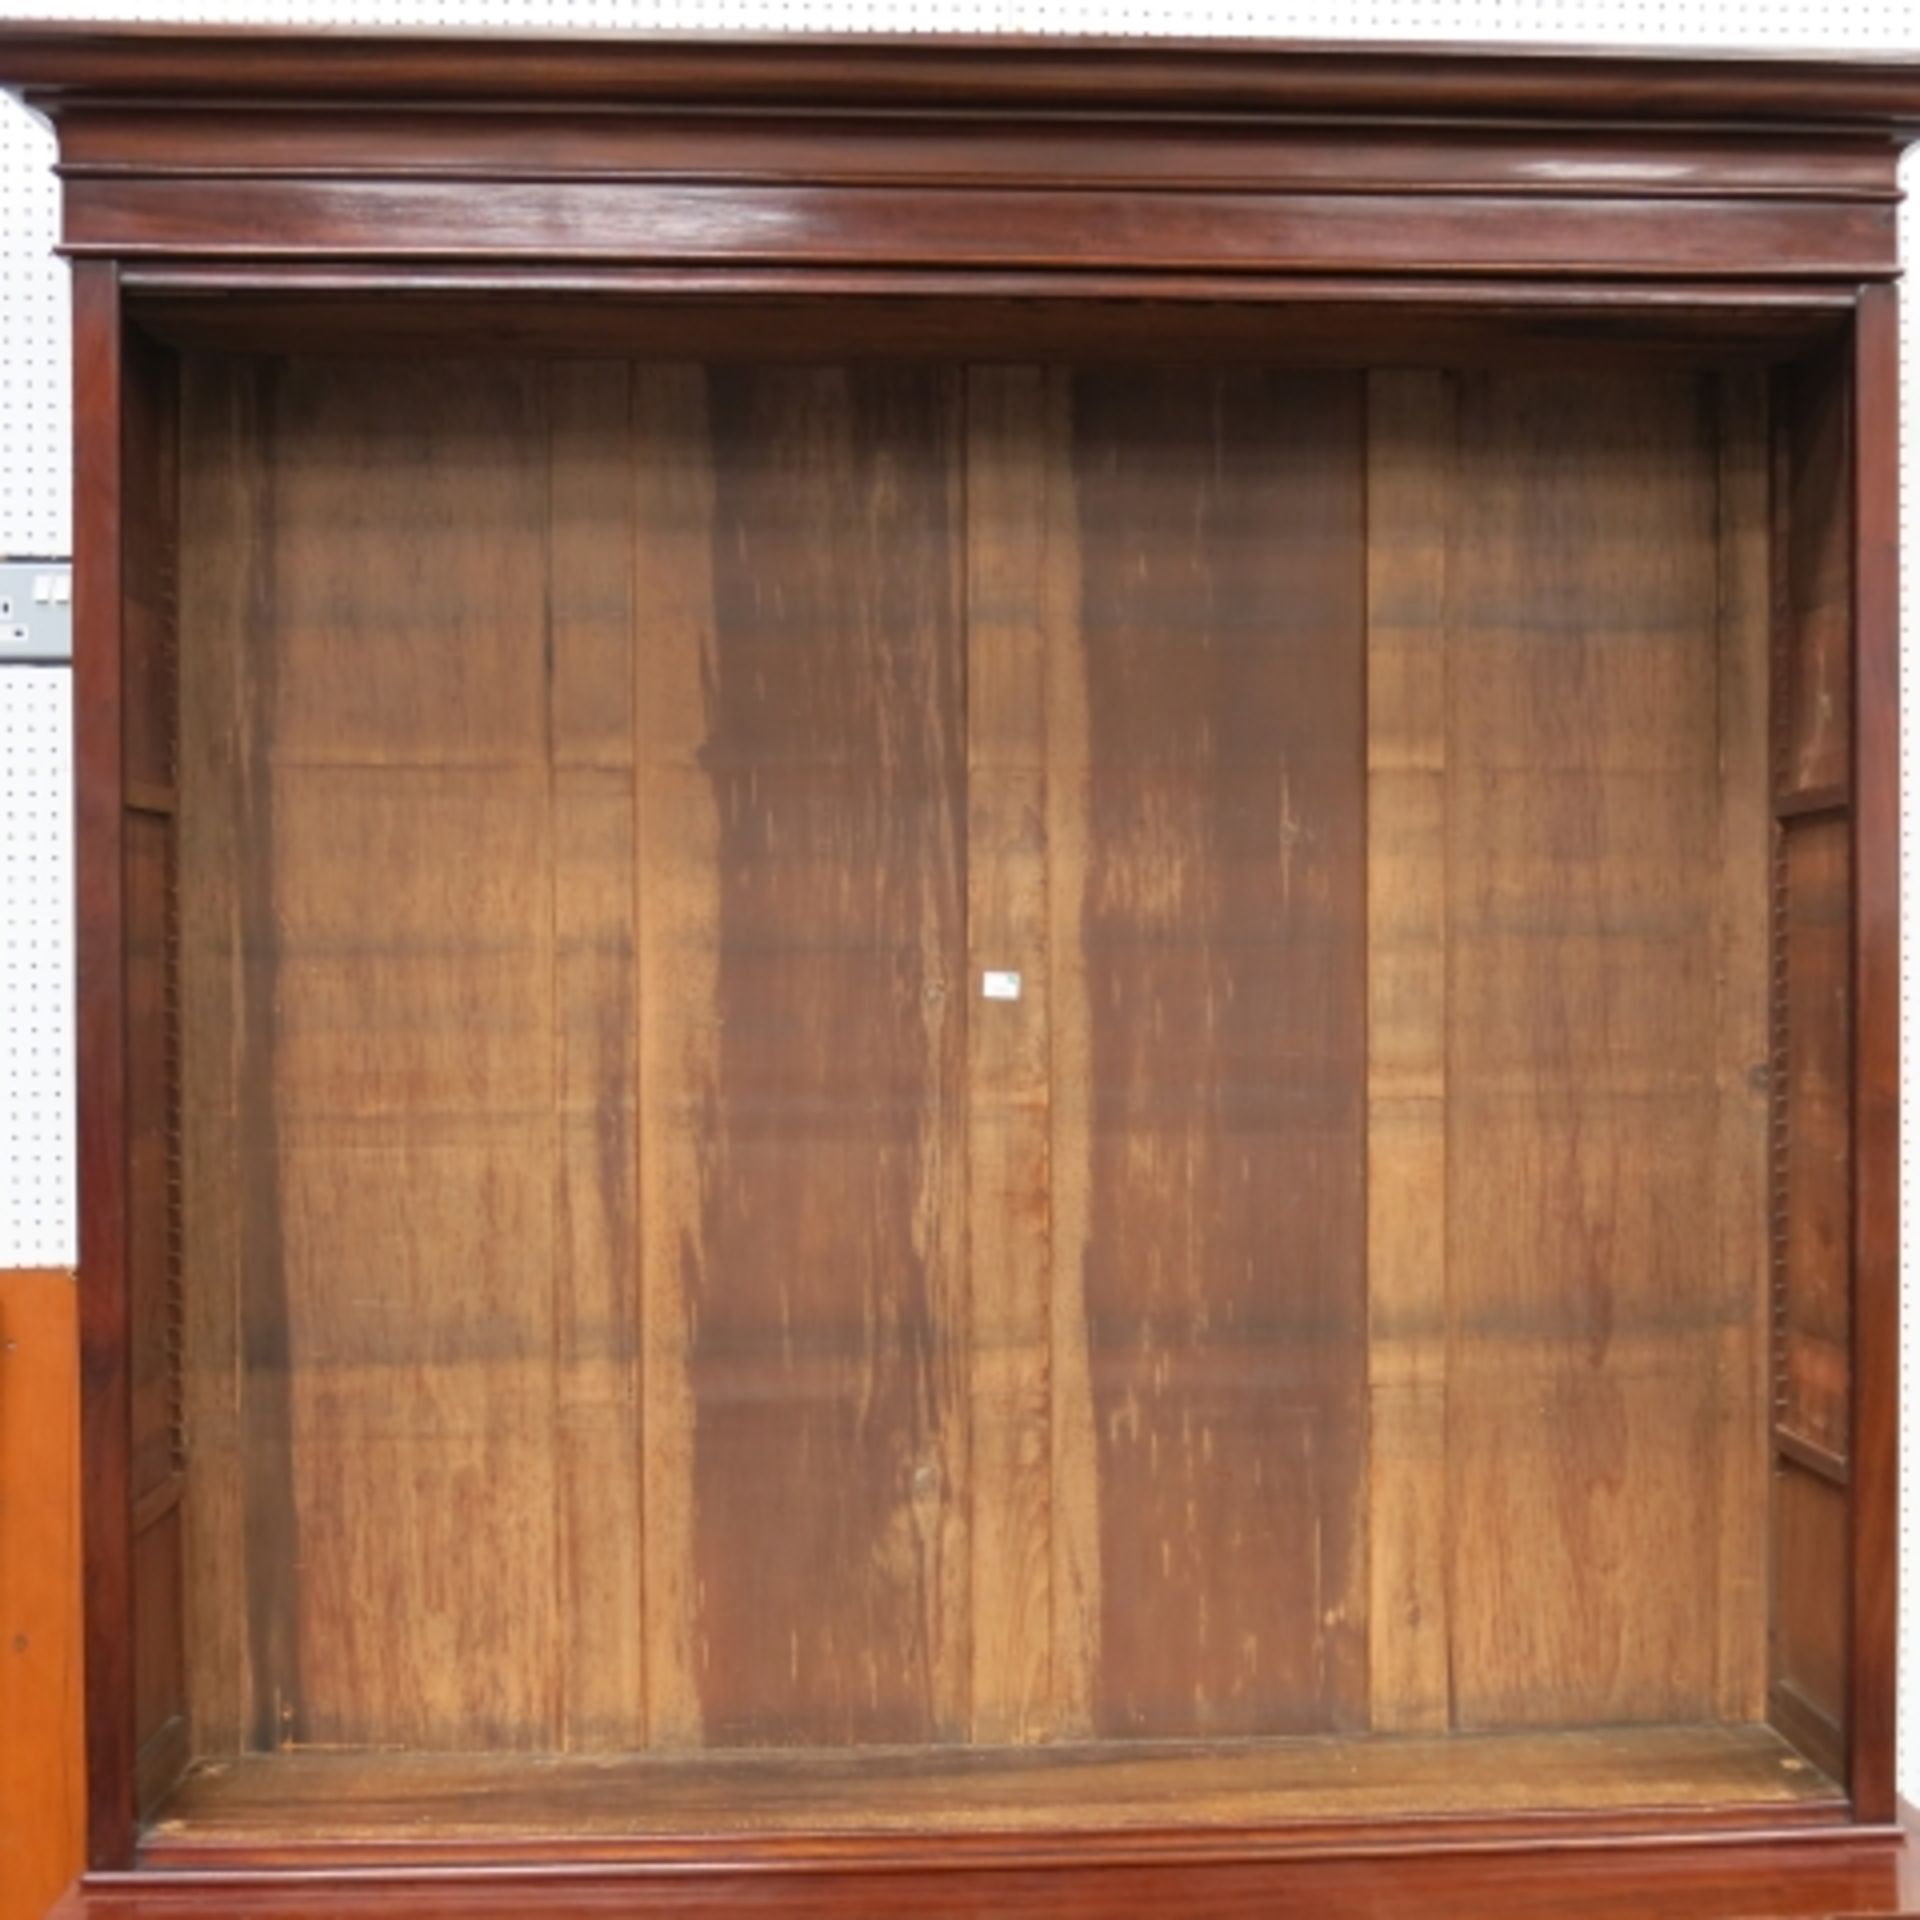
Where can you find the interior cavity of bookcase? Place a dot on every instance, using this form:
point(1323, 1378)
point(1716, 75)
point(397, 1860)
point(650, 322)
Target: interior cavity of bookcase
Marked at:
point(37, 1212)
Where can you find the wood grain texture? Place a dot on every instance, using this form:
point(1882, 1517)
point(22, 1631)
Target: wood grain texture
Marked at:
point(1814, 717)
point(1411, 426)
point(962, 229)
point(1134, 1797)
point(1742, 982)
point(243, 1548)
point(1871, 1877)
point(595, 882)
point(161, 1751)
point(814, 1044)
point(42, 1780)
point(676, 836)
point(413, 1054)
point(1018, 588)
point(58, 61)
point(1077, 1592)
point(152, 1278)
point(1813, 1331)
point(1873, 1512)
point(1808, 1690)
point(762, 316)
point(1599, 1354)
point(394, 1079)
point(215, 753)
point(1210, 737)
point(1162, 175)
point(1096, 1467)
point(774, 142)
point(101, 401)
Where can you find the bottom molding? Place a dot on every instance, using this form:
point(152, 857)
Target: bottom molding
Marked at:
point(1863, 1875)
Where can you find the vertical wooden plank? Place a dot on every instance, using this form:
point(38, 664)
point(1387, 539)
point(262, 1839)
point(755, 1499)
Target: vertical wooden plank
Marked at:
point(396, 1082)
point(1411, 475)
point(1221, 927)
point(149, 535)
point(596, 1303)
point(242, 1545)
point(1816, 1090)
point(149, 542)
point(1808, 1698)
point(1741, 976)
point(1874, 1517)
point(822, 1283)
point(1814, 1314)
point(159, 1658)
point(1074, 1452)
point(1583, 848)
point(43, 1802)
point(152, 1299)
point(219, 467)
point(1011, 558)
point(676, 832)
point(1817, 683)
point(413, 1062)
point(100, 1048)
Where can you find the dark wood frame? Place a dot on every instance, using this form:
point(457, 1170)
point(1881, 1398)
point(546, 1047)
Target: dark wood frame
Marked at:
point(1320, 201)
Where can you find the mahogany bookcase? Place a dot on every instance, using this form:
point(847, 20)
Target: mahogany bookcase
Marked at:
point(988, 970)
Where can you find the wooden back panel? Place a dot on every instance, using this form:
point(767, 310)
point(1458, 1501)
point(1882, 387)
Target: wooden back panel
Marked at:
point(1567, 652)
point(644, 1294)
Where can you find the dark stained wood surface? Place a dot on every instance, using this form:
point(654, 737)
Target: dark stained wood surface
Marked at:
point(1807, 1695)
point(1601, 1343)
point(786, 1316)
point(1815, 1310)
point(827, 315)
point(1872, 1879)
point(1787, 200)
point(977, 73)
point(1742, 962)
point(1872, 1552)
point(1814, 710)
point(803, 744)
point(103, 1128)
point(592, 672)
point(964, 229)
point(1021, 587)
point(1818, 1181)
point(1206, 707)
point(392, 1088)
point(153, 1276)
point(771, 144)
point(1412, 426)
point(755, 153)
point(222, 790)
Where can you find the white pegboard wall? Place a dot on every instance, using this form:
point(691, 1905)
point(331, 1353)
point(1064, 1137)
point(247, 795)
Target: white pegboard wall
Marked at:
point(34, 400)
point(36, 967)
point(35, 1213)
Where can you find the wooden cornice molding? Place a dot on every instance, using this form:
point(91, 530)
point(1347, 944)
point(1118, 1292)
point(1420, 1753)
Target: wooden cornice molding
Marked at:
point(954, 75)
point(964, 158)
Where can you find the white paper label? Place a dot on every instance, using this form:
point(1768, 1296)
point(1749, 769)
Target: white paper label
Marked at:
point(1000, 986)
